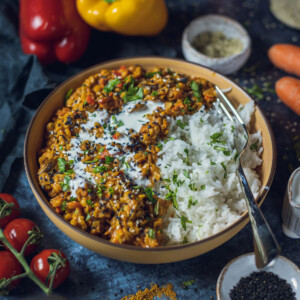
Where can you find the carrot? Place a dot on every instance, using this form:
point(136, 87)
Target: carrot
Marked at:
point(286, 57)
point(288, 90)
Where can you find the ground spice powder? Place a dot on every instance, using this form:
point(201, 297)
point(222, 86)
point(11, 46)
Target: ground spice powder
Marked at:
point(155, 291)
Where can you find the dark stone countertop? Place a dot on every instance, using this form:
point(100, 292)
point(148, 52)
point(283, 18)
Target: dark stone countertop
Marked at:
point(96, 277)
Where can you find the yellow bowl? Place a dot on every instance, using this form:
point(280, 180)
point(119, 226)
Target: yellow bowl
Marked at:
point(165, 254)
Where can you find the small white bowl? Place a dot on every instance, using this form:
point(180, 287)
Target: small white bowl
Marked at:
point(230, 28)
point(244, 265)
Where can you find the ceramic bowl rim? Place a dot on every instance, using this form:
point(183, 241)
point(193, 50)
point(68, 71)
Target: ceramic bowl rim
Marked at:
point(209, 59)
point(38, 192)
point(229, 264)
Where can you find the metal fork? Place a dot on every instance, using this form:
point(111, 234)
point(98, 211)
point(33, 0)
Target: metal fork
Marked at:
point(266, 247)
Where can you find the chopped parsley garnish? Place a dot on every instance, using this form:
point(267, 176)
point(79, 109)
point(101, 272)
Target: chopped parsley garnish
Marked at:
point(101, 150)
point(118, 123)
point(181, 124)
point(149, 194)
point(90, 161)
point(68, 94)
point(111, 85)
point(191, 202)
point(202, 187)
point(225, 169)
point(212, 163)
point(254, 147)
point(151, 74)
point(65, 183)
point(62, 163)
point(172, 196)
point(109, 159)
point(184, 220)
point(61, 148)
point(111, 190)
point(89, 202)
point(216, 135)
point(186, 151)
point(195, 88)
point(186, 101)
point(88, 216)
point(154, 93)
point(133, 94)
point(100, 169)
point(186, 174)
point(159, 145)
point(151, 233)
point(63, 205)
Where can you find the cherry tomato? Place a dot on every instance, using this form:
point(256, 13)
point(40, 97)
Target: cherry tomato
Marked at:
point(11, 213)
point(104, 154)
point(40, 266)
point(9, 267)
point(17, 233)
point(90, 100)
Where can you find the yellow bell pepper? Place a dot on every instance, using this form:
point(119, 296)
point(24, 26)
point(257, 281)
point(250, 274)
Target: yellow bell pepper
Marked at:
point(128, 17)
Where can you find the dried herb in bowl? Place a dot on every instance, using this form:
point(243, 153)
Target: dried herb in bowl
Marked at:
point(262, 286)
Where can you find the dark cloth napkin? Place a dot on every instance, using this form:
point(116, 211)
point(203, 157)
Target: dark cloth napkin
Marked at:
point(22, 84)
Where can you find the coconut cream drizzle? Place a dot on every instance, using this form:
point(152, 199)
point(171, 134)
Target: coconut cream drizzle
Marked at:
point(127, 119)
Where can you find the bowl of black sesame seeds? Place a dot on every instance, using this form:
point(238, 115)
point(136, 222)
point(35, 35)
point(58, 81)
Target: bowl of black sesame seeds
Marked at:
point(241, 280)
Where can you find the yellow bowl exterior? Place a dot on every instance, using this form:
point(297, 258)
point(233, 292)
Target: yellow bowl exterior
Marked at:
point(166, 254)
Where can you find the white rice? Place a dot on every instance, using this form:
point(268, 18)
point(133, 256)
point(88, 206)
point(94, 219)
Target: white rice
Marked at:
point(209, 197)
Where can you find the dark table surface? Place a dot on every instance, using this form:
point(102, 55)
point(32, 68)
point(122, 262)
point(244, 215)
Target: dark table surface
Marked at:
point(96, 277)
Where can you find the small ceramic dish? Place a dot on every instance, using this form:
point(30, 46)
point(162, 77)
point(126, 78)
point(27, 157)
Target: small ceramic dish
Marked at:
point(291, 207)
point(244, 265)
point(165, 254)
point(212, 23)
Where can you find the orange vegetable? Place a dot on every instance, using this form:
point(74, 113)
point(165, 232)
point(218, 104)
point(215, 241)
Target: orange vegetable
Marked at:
point(286, 57)
point(288, 90)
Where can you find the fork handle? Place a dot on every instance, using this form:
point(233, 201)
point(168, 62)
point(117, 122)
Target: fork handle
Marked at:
point(266, 247)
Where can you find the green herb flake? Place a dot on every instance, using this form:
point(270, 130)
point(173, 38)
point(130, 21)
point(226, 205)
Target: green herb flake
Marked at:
point(61, 148)
point(225, 169)
point(111, 190)
point(61, 164)
point(191, 202)
point(151, 233)
point(133, 94)
point(195, 88)
point(181, 124)
point(88, 216)
point(186, 174)
point(254, 147)
point(65, 183)
point(89, 202)
point(111, 85)
point(202, 187)
point(100, 169)
point(187, 101)
point(151, 74)
point(63, 205)
point(68, 94)
point(183, 221)
point(109, 159)
point(186, 151)
point(149, 194)
point(216, 135)
point(154, 93)
point(91, 161)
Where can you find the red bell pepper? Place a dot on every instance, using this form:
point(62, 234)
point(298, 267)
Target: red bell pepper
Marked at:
point(52, 30)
